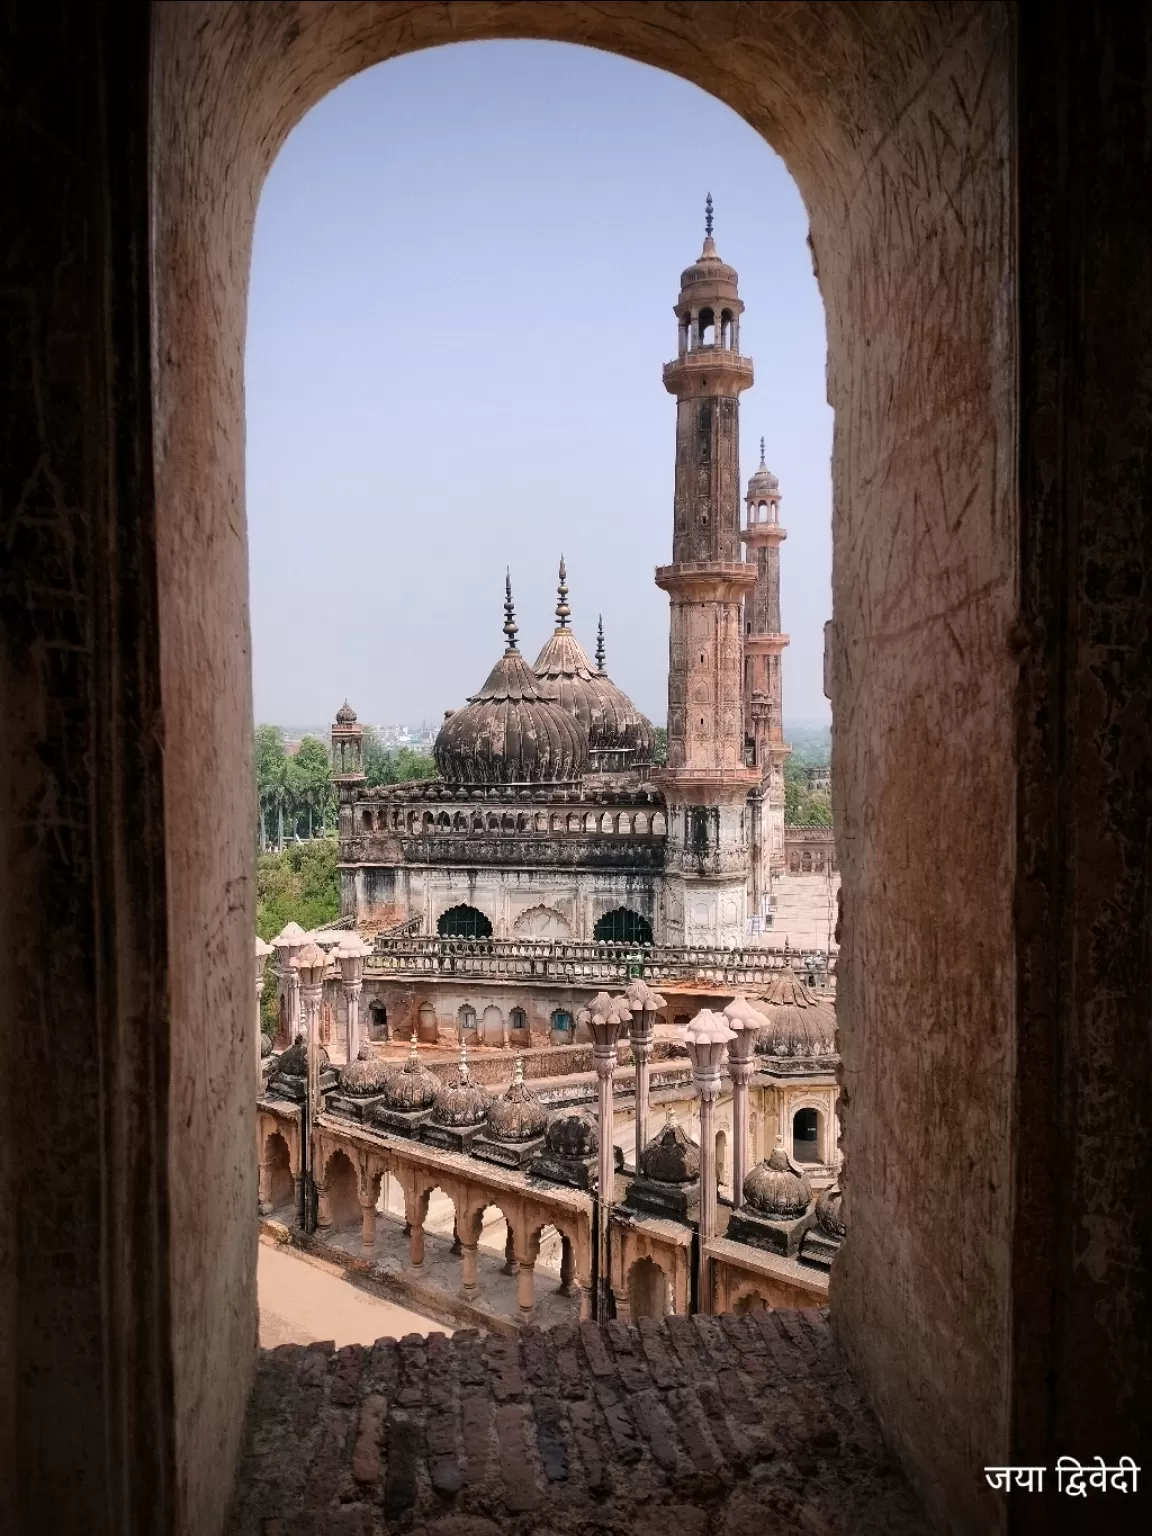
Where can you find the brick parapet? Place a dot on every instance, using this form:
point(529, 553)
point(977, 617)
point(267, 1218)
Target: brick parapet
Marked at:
point(694, 1424)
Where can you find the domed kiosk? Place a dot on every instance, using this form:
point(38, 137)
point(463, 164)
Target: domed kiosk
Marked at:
point(516, 1125)
point(459, 1111)
point(409, 1095)
point(800, 1030)
point(361, 1084)
point(667, 1182)
point(778, 1206)
point(570, 1151)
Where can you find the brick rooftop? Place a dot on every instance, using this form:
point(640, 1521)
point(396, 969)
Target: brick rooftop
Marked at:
point(696, 1426)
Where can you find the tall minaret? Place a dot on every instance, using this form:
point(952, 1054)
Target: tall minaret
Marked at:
point(765, 748)
point(706, 783)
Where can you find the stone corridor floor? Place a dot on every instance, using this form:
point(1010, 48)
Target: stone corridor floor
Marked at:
point(696, 1426)
point(304, 1301)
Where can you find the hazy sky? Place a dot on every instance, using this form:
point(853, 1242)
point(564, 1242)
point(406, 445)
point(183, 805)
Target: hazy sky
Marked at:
point(462, 284)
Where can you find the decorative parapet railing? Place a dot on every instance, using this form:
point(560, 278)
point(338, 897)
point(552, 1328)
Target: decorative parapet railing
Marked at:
point(586, 964)
point(809, 834)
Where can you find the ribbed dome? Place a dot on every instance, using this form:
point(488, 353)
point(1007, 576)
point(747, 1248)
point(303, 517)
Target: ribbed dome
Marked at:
point(366, 1075)
point(266, 1044)
point(774, 1190)
point(294, 1061)
point(460, 1101)
point(829, 1212)
point(799, 1023)
point(709, 269)
point(345, 715)
point(517, 1115)
point(670, 1157)
point(514, 731)
point(763, 483)
point(414, 1086)
point(572, 1133)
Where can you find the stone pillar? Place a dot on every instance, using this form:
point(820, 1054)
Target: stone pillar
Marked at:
point(352, 1000)
point(300, 1198)
point(293, 1005)
point(623, 1305)
point(416, 1245)
point(706, 1038)
point(741, 1076)
point(367, 1222)
point(567, 1266)
point(604, 1018)
point(509, 1252)
point(643, 1003)
point(264, 1194)
point(525, 1277)
point(262, 952)
point(585, 1303)
point(468, 1278)
point(323, 1210)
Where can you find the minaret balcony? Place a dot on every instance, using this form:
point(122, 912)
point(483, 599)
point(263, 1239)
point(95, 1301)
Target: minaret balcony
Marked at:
point(708, 371)
point(767, 644)
point(763, 533)
point(703, 581)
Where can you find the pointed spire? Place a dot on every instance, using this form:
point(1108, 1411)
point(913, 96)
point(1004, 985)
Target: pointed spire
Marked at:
point(762, 463)
point(563, 612)
point(413, 1053)
point(669, 1115)
point(511, 628)
point(518, 1075)
point(600, 643)
point(708, 217)
point(463, 1062)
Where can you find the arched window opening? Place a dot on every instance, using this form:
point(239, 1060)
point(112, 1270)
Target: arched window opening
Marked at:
point(648, 1290)
point(622, 926)
point(277, 1187)
point(726, 329)
point(518, 1025)
point(426, 1029)
point(338, 1192)
point(561, 1026)
point(466, 1020)
point(377, 1021)
point(723, 1172)
point(806, 1136)
point(492, 1026)
point(707, 328)
point(463, 923)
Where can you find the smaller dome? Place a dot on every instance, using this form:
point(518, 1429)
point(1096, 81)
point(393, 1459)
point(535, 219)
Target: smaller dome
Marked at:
point(830, 1214)
point(799, 1022)
point(414, 1086)
point(367, 1074)
point(294, 1061)
point(775, 1190)
point(670, 1157)
point(573, 1133)
point(345, 715)
point(265, 1045)
point(460, 1101)
point(517, 1115)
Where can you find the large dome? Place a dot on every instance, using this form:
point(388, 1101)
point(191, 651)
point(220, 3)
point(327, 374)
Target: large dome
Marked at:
point(460, 1101)
point(800, 1024)
point(670, 1158)
point(619, 736)
point(514, 731)
point(518, 1114)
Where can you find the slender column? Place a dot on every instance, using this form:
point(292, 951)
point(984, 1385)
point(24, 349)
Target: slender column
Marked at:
point(509, 1254)
point(585, 1303)
point(416, 1245)
point(525, 1278)
point(293, 1005)
point(706, 1037)
point(367, 1222)
point(259, 1032)
point(643, 1004)
point(352, 992)
point(455, 1248)
point(741, 1073)
point(623, 1305)
point(299, 1199)
point(567, 1267)
point(468, 1277)
point(605, 1063)
point(265, 1189)
point(323, 1210)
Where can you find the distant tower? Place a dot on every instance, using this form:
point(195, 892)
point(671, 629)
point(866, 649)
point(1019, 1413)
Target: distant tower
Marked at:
point(706, 782)
point(348, 778)
point(765, 749)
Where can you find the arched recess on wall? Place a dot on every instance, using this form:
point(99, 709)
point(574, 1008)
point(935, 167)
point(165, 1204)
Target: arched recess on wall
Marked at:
point(649, 1290)
point(463, 922)
point(806, 1137)
point(377, 1021)
point(622, 926)
point(542, 923)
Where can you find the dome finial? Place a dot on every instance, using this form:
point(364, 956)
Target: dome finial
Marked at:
point(762, 463)
point(413, 1053)
point(563, 612)
point(600, 642)
point(708, 217)
point(463, 1062)
point(518, 1074)
point(511, 628)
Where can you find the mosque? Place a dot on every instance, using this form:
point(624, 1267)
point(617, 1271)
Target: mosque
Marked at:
point(549, 819)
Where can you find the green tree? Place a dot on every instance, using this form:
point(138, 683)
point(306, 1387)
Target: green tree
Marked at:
point(804, 807)
point(312, 775)
point(300, 885)
point(270, 759)
point(660, 745)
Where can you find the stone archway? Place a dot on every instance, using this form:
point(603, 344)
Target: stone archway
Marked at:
point(881, 185)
